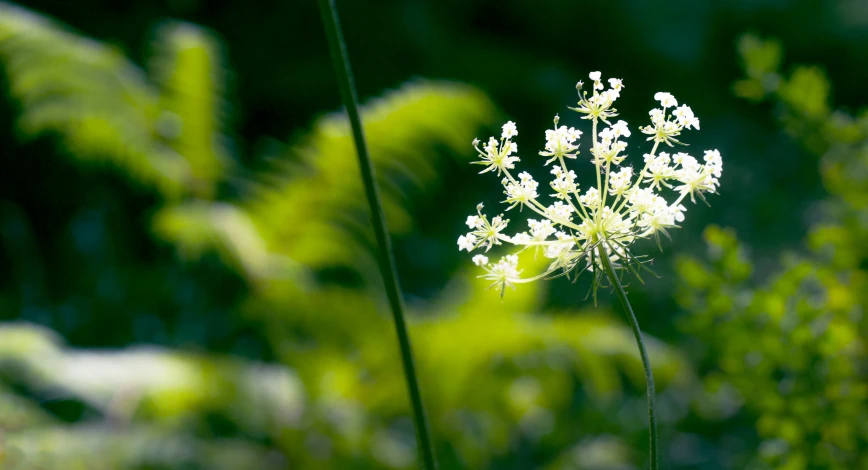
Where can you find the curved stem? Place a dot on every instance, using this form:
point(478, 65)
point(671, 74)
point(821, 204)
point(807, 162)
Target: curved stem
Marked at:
point(646, 364)
point(341, 64)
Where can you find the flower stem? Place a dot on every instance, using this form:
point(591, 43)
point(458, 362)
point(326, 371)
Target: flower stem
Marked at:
point(340, 61)
point(597, 165)
point(646, 364)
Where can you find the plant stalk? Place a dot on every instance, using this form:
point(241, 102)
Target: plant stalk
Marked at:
point(646, 364)
point(343, 73)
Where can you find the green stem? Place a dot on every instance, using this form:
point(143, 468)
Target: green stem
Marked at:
point(340, 61)
point(646, 364)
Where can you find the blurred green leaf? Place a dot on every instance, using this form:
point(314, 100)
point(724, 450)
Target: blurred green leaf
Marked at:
point(807, 92)
point(104, 108)
point(493, 372)
point(315, 189)
point(148, 382)
point(761, 60)
point(107, 448)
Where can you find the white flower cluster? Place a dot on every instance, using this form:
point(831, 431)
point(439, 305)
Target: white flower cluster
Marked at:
point(623, 206)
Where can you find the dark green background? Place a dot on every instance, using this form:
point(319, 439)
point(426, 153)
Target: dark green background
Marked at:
point(89, 269)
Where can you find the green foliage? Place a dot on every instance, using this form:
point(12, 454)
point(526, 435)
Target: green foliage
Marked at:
point(761, 61)
point(840, 139)
point(105, 109)
point(789, 347)
point(188, 67)
point(313, 185)
point(90, 448)
point(148, 382)
point(146, 401)
point(88, 94)
point(199, 227)
point(492, 373)
point(804, 109)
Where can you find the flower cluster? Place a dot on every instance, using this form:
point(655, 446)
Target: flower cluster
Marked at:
point(580, 227)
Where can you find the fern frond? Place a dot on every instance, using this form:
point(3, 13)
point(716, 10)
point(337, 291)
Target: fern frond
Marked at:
point(196, 227)
point(314, 193)
point(105, 110)
point(187, 64)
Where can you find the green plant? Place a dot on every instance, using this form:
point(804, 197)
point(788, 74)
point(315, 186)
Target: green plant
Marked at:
point(387, 258)
point(786, 347)
point(600, 240)
point(285, 232)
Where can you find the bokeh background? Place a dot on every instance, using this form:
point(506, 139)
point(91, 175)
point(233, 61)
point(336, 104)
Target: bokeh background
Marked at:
point(188, 276)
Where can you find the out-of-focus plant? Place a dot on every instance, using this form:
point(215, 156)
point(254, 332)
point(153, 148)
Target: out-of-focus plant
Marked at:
point(290, 226)
point(163, 129)
point(138, 407)
point(788, 348)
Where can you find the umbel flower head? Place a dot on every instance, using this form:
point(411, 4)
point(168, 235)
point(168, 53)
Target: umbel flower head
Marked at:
point(579, 226)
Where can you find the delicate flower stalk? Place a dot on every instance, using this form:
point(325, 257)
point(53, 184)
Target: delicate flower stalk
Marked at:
point(650, 389)
point(387, 258)
point(594, 230)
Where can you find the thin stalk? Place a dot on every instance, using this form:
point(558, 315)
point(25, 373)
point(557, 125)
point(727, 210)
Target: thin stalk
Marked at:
point(637, 182)
point(541, 209)
point(596, 164)
point(586, 218)
point(340, 61)
point(646, 364)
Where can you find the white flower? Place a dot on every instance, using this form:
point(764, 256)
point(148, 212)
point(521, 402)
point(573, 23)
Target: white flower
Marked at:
point(466, 242)
point(496, 155)
point(483, 232)
point(576, 228)
point(560, 142)
point(509, 130)
point(656, 220)
point(504, 273)
point(540, 229)
point(643, 200)
point(658, 170)
point(666, 100)
point(563, 183)
point(560, 211)
point(620, 129)
point(520, 192)
point(522, 238)
point(685, 117)
point(662, 128)
point(591, 198)
point(714, 162)
point(609, 147)
point(599, 104)
point(679, 211)
point(696, 179)
point(684, 159)
point(621, 181)
point(595, 76)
